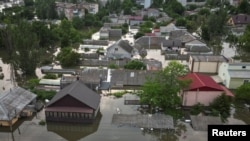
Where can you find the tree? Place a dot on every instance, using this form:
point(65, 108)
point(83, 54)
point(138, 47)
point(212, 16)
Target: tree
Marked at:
point(68, 57)
point(222, 105)
point(23, 47)
point(242, 93)
point(244, 7)
point(161, 90)
point(135, 65)
point(244, 44)
point(181, 22)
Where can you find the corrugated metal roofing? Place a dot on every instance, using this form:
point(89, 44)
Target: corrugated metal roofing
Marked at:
point(200, 81)
point(14, 101)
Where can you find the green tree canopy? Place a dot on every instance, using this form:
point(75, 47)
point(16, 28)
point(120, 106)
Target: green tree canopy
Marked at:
point(222, 105)
point(161, 90)
point(135, 65)
point(242, 93)
point(23, 47)
point(68, 57)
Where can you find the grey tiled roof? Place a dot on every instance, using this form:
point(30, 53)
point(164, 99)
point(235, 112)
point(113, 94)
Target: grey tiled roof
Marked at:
point(79, 91)
point(125, 45)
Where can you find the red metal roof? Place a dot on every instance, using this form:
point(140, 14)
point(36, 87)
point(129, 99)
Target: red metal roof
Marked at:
point(202, 82)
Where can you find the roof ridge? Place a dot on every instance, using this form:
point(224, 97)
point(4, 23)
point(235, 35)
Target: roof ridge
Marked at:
point(199, 79)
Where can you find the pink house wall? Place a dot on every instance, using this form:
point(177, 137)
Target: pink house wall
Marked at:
point(191, 98)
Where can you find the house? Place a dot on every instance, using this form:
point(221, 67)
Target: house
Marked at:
point(76, 103)
point(152, 64)
point(170, 45)
point(95, 79)
point(104, 33)
point(206, 63)
point(69, 9)
point(202, 89)
point(234, 75)
point(130, 78)
point(164, 18)
point(196, 47)
point(15, 103)
point(120, 50)
point(115, 34)
point(150, 42)
point(151, 12)
point(135, 20)
point(92, 8)
point(165, 30)
point(239, 20)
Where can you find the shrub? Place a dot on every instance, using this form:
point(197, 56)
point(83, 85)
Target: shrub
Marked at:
point(113, 66)
point(198, 108)
point(50, 76)
point(42, 122)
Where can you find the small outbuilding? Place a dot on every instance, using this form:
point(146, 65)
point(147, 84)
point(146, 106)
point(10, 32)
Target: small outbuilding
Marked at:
point(14, 103)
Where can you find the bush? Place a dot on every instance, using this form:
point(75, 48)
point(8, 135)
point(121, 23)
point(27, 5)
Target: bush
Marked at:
point(113, 66)
point(50, 76)
point(42, 122)
point(198, 108)
point(42, 94)
point(135, 65)
point(119, 94)
point(222, 105)
point(32, 83)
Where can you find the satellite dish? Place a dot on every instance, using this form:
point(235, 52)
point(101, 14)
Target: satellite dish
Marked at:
point(46, 100)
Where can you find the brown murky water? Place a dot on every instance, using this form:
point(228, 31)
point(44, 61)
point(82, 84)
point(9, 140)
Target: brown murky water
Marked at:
point(101, 130)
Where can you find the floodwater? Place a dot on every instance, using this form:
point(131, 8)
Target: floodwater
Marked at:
point(102, 129)
point(5, 83)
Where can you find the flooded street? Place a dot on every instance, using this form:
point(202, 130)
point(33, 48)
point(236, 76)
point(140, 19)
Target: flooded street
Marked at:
point(102, 129)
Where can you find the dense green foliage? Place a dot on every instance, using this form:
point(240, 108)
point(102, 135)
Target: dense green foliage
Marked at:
point(50, 76)
point(22, 46)
point(43, 94)
point(135, 65)
point(222, 105)
point(242, 93)
point(161, 90)
point(68, 57)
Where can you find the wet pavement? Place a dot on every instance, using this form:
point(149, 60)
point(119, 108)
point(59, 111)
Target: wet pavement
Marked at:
point(102, 129)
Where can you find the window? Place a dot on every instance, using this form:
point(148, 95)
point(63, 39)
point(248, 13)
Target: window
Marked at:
point(116, 49)
point(245, 81)
point(243, 67)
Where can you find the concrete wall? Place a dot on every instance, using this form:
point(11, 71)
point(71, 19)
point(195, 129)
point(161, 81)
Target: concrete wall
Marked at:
point(191, 98)
point(236, 82)
point(204, 67)
point(224, 75)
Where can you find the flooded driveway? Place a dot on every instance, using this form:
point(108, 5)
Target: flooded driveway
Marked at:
point(5, 83)
point(101, 130)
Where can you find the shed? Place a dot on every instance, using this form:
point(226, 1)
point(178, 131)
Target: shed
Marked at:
point(12, 103)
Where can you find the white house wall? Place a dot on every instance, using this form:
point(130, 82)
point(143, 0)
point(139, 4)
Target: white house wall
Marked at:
point(224, 74)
